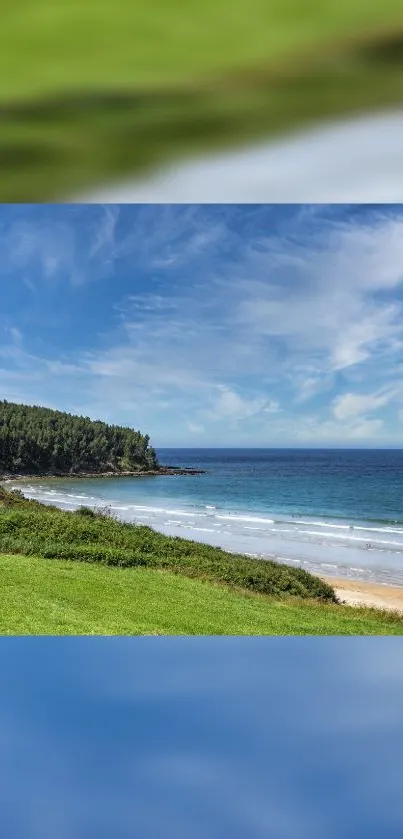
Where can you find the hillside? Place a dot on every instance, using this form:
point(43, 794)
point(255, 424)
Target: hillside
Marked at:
point(31, 528)
point(76, 573)
point(42, 597)
point(36, 440)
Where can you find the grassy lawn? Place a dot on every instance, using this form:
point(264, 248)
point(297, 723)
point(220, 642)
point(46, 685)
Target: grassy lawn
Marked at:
point(85, 536)
point(53, 597)
point(48, 47)
point(85, 572)
point(90, 92)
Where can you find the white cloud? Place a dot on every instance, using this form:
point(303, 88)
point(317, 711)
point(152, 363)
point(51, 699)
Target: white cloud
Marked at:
point(179, 236)
point(232, 406)
point(103, 242)
point(307, 386)
point(196, 428)
point(365, 429)
point(326, 297)
point(319, 431)
point(16, 334)
point(29, 284)
point(52, 248)
point(349, 405)
point(359, 339)
point(294, 316)
point(272, 407)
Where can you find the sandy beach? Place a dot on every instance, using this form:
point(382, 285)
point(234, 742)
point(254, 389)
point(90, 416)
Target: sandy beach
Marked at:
point(357, 593)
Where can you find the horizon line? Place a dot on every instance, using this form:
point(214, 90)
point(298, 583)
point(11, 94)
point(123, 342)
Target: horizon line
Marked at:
point(286, 448)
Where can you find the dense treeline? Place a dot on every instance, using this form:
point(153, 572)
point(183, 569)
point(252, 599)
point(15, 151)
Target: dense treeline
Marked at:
point(35, 440)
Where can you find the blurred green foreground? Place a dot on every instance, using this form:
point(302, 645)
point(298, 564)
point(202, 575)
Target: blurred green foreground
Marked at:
point(92, 91)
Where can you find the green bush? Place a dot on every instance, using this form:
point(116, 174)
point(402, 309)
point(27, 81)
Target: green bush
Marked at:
point(31, 528)
point(85, 511)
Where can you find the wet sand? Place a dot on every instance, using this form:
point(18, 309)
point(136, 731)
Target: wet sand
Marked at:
point(357, 593)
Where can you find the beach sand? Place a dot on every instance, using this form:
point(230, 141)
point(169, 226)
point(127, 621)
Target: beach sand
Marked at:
point(357, 593)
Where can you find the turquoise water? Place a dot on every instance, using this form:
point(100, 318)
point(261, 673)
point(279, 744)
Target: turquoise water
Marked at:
point(338, 512)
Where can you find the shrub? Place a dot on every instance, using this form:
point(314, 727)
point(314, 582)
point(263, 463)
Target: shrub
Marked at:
point(85, 511)
point(97, 536)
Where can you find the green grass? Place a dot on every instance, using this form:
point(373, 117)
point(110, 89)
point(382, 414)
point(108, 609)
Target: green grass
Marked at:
point(90, 92)
point(44, 597)
point(85, 572)
point(48, 48)
point(32, 529)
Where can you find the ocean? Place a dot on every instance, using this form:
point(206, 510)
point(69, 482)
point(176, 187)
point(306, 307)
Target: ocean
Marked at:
point(333, 512)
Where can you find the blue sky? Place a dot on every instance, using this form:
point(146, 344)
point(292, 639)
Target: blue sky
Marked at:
point(208, 325)
point(292, 738)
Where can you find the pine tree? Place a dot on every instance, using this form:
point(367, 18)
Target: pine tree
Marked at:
point(38, 440)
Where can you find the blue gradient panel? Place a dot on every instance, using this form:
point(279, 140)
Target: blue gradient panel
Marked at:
point(201, 738)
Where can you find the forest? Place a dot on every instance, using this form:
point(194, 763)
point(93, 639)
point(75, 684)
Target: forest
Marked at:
point(36, 440)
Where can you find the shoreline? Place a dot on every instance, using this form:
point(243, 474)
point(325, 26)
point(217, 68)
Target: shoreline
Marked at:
point(358, 593)
point(349, 590)
point(164, 470)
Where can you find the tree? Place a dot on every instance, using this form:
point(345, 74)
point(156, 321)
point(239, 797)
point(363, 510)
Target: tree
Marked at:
point(37, 440)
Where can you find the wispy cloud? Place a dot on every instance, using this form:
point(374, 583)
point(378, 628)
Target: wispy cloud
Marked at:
point(196, 428)
point(56, 246)
point(259, 325)
point(103, 240)
point(232, 406)
point(325, 296)
point(349, 405)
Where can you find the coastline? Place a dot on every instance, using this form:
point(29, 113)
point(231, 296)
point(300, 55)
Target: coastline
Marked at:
point(164, 470)
point(349, 590)
point(357, 593)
